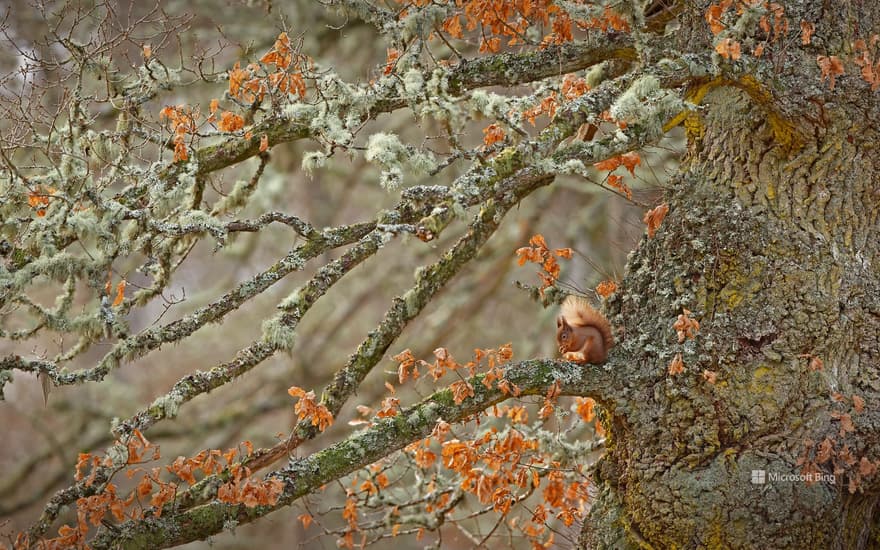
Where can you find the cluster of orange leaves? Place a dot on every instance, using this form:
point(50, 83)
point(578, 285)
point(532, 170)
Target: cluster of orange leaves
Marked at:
point(773, 23)
point(511, 19)
point(606, 288)
point(246, 84)
point(376, 481)
point(686, 327)
point(39, 199)
point(572, 87)
point(495, 466)
point(499, 468)
point(548, 106)
point(831, 68)
point(868, 63)
point(492, 134)
point(841, 457)
point(408, 366)
point(629, 161)
point(393, 54)
point(183, 121)
point(308, 408)
point(120, 290)
point(539, 253)
point(92, 511)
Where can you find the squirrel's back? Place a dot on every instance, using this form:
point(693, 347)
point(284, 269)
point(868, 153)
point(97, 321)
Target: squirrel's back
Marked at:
point(579, 313)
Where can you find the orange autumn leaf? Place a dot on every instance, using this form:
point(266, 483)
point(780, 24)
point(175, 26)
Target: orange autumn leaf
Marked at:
point(869, 69)
point(492, 134)
point(145, 487)
point(608, 164)
point(606, 288)
point(807, 30)
point(574, 86)
point(729, 48)
point(710, 376)
point(452, 26)
point(714, 13)
point(281, 54)
point(180, 151)
point(82, 461)
point(616, 182)
point(686, 327)
point(390, 407)
point(390, 60)
point(858, 404)
point(264, 143)
point(230, 122)
point(816, 363)
point(237, 77)
point(585, 406)
point(424, 458)
point(676, 366)
point(306, 520)
point(540, 253)
point(563, 253)
point(120, 293)
point(630, 161)
point(831, 68)
point(488, 45)
point(308, 408)
point(846, 423)
point(461, 390)
point(653, 218)
point(39, 199)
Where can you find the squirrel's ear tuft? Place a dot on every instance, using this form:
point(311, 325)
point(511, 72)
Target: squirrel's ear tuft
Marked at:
point(560, 322)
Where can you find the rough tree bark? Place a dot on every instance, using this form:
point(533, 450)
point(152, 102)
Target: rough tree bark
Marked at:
point(772, 241)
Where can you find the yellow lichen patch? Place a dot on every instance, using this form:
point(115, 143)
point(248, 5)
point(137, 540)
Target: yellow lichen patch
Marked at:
point(731, 297)
point(693, 126)
point(690, 118)
point(762, 381)
point(782, 130)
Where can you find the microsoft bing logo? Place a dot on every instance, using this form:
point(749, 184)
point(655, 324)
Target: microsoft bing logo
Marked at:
point(759, 477)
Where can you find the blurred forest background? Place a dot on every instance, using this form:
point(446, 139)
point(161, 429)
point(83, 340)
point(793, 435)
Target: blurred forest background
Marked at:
point(481, 308)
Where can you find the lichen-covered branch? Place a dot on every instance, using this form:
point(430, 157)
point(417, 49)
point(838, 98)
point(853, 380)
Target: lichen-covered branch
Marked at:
point(501, 69)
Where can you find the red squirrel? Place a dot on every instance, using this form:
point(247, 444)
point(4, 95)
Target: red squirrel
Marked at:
point(583, 334)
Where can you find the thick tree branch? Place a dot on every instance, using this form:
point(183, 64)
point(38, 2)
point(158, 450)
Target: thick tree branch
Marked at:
point(507, 69)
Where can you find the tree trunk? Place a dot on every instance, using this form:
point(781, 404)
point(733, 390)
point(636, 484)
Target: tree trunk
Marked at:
point(771, 242)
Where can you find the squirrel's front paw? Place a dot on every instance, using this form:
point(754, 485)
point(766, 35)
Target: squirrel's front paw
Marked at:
point(574, 356)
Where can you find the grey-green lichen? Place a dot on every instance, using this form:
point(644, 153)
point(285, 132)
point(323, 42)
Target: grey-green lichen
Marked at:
point(647, 103)
point(313, 160)
point(278, 334)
